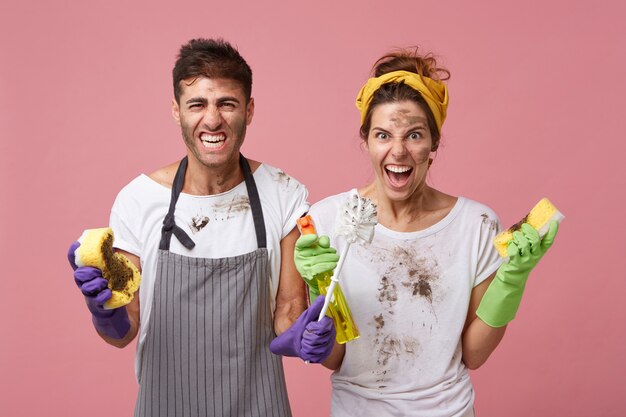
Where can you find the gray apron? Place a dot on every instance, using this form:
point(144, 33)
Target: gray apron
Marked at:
point(207, 347)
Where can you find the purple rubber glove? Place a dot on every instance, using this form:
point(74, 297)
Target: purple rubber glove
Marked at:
point(111, 323)
point(307, 338)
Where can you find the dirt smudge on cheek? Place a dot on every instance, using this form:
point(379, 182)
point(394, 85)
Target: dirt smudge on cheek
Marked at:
point(422, 156)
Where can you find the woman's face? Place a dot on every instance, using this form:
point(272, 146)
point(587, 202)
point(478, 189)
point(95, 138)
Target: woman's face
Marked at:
point(399, 144)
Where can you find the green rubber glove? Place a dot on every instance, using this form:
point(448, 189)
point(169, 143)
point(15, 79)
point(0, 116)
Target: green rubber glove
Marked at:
point(312, 257)
point(503, 297)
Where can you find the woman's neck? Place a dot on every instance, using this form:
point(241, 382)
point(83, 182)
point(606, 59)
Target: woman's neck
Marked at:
point(424, 208)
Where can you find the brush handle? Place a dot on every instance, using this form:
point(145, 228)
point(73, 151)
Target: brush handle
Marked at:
point(334, 281)
point(329, 296)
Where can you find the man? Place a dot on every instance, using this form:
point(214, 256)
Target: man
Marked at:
point(214, 236)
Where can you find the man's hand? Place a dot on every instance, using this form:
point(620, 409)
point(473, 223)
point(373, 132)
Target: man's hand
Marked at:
point(307, 338)
point(111, 323)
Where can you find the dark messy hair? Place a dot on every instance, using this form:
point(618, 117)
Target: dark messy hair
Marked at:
point(211, 58)
point(405, 60)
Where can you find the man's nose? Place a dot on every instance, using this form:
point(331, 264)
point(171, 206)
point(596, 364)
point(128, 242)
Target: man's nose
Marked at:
point(212, 118)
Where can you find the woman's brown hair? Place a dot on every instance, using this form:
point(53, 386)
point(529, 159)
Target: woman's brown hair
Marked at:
point(408, 59)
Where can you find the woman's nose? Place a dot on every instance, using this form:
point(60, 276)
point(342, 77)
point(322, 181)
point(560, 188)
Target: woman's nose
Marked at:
point(398, 147)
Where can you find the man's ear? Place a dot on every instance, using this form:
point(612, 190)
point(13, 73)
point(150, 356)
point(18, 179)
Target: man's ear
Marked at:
point(176, 111)
point(250, 110)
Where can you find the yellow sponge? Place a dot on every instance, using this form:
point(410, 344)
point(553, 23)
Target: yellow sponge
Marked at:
point(96, 250)
point(539, 218)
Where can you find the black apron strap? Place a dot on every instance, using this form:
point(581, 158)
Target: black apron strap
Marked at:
point(169, 225)
point(255, 203)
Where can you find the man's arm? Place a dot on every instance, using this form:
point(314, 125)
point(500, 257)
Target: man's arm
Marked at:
point(132, 309)
point(479, 339)
point(291, 296)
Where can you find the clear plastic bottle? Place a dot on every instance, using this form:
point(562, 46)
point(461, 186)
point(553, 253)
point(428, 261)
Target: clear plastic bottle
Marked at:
point(338, 308)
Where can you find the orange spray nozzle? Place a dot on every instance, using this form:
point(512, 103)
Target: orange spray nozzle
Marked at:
point(306, 225)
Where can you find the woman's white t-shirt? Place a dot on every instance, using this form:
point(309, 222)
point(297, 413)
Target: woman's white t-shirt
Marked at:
point(409, 295)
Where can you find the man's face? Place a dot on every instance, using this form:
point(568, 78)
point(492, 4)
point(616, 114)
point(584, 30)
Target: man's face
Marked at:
point(213, 116)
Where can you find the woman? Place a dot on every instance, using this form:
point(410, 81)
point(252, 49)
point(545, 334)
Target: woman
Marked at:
point(429, 294)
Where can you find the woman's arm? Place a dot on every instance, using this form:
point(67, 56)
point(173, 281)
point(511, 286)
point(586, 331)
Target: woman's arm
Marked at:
point(479, 340)
point(334, 360)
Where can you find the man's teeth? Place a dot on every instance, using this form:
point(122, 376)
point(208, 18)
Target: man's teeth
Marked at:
point(398, 169)
point(212, 140)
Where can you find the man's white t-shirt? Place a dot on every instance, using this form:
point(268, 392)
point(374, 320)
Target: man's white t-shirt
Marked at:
point(409, 295)
point(220, 225)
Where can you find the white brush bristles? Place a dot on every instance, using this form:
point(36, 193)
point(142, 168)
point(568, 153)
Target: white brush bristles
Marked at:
point(356, 219)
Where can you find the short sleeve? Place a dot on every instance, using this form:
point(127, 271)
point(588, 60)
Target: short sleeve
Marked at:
point(299, 211)
point(122, 215)
point(488, 260)
point(295, 205)
point(324, 213)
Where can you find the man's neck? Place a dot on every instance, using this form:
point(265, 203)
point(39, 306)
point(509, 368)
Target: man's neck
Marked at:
point(202, 180)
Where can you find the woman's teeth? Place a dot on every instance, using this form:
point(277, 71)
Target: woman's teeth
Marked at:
point(397, 169)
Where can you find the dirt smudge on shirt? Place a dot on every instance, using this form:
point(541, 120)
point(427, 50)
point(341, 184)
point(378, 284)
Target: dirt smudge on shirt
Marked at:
point(198, 222)
point(225, 210)
point(396, 348)
point(409, 292)
point(489, 222)
point(405, 265)
point(379, 321)
point(282, 178)
point(387, 291)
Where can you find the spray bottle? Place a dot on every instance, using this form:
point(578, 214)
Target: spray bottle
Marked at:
point(338, 308)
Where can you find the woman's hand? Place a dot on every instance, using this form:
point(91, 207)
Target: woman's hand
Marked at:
point(314, 256)
point(502, 299)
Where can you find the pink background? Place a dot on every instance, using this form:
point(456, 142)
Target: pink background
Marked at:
point(537, 109)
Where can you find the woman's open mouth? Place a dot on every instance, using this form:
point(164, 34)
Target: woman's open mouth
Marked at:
point(398, 175)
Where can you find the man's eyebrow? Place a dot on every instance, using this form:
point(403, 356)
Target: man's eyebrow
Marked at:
point(228, 98)
point(200, 100)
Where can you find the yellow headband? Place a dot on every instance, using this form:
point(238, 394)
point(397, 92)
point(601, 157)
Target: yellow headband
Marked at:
point(434, 92)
